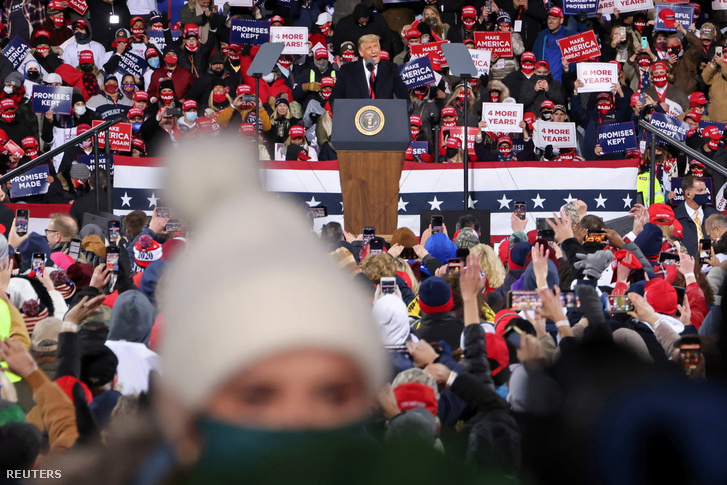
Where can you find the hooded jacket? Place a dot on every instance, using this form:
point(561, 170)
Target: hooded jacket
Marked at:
point(131, 318)
point(71, 50)
point(348, 29)
point(532, 99)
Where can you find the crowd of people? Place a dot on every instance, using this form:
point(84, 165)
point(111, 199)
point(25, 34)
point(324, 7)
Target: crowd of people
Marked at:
point(568, 354)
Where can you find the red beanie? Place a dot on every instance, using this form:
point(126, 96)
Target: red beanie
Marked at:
point(415, 395)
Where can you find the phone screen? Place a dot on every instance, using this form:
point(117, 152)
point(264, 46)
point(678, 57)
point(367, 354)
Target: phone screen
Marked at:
point(376, 247)
point(669, 258)
point(547, 234)
point(38, 262)
point(369, 233)
point(619, 304)
point(114, 232)
point(644, 42)
point(437, 223)
point(74, 249)
point(705, 248)
point(596, 237)
point(112, 259)
point(454, 264)
point(408, 253)
point(163, 212)
point(718, 51)
point(524, 300)
point(689, 350)
point(520, 210)
point(388, 285)
point(21, 222)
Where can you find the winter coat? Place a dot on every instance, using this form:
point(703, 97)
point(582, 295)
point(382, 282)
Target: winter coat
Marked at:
point(440, 326)
point(532, 99)
point(685, 71)
point(717, 81)
point(546, 49)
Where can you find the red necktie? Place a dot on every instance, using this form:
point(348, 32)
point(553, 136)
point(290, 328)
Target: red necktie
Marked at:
point(372, 80)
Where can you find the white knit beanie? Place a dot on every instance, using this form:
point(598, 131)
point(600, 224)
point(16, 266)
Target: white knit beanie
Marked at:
point(253, 283)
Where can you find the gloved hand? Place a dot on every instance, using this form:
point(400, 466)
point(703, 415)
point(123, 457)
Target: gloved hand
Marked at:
point(591, 306)
point(594, 264)
point(315, 87)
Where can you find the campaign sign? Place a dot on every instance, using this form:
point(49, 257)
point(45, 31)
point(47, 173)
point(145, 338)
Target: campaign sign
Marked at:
point(472, 133)
point(572, 7)
point(249, 32)
point(503, 117)
point(667, 16)
point(597, 77)
point(32, 182)
point(294, 38)
point(560, 135)
point(431, 49)
point(132, 64)
point(240, 3)
point(120, 135)
point(79, 6)
point(605, 7)
point(90, 162)
point(482, 59)
point(673, 127)
point(56, 98)
point(617, 137)
point(579, 47)
point(417, 72)
point(419, 147)
point(633, 5)
point(704, 124)
point(16, 51)
point(676, 186)
point(719, 4)
point(156, 37)
point(500, 43)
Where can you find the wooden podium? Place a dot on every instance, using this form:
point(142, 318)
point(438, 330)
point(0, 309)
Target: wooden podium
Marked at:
point(370, 137)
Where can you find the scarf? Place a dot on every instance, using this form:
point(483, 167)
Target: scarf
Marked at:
point(91, 84)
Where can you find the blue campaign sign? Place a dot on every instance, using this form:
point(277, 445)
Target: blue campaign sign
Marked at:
point(617, 137)
point(56, 98)
point(667, 16)
point(156, 37)
point(676, 187)
point(16, 51)
point(673, 127)
point(249, 32)
point(32, 182)
point(704, 124)
point(572, 7)
point(417, 72)
point(132, 64)
point(90, 162)
point(419, 147)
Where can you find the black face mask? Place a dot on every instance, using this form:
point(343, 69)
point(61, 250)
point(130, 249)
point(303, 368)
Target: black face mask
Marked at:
point(33, 75)
point(451, 152)
point(86, 67)
point(218, 72)
point(546, 115)
point(81, 37)
point(541, 78)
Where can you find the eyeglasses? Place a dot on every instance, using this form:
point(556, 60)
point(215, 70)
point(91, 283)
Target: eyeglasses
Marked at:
point(49, 230)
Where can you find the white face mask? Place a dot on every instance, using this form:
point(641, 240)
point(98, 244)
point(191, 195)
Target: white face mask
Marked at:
point(268, 78)
point(79, 110)
point(8, 89)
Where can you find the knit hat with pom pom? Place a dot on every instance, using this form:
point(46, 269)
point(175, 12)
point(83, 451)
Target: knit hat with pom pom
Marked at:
point(147, 250)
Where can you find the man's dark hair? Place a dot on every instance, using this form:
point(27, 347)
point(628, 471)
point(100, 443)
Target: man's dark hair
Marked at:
point(134, 223)
point(689, 182)
point(468, 220)
point(592, 223)
point(332, 232)
point(101, 178)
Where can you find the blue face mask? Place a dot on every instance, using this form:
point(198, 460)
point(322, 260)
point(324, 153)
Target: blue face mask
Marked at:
point(701, 199)
point(136, 126)
point(153, 62)
point(230, 448)
point(191, 116)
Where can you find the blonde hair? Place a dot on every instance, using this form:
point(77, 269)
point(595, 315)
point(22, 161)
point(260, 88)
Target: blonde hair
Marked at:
point(402, 265)
point(490, 263)
point(377, 266)
point(439, 30)
point(367, 38)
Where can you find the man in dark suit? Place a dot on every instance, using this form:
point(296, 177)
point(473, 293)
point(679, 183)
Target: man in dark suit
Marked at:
point(369, 77)
point(693, 212)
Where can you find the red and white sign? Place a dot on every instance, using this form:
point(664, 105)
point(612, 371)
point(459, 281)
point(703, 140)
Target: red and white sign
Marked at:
point(482, 59)
point(560, 135)
point(597, 77)
point(719, 4)
point(579, 47)
point(433, 50)
point(79, 6)
point(294, 38)
point(457, 131)
point(500, 43)
point(633, 5)
point(120, 135)
point(503, 117)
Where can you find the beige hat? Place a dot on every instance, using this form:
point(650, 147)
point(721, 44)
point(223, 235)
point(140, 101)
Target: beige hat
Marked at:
point(246, 317)
point(45, 335)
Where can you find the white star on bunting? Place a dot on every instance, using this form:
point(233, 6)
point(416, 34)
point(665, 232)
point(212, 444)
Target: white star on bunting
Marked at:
point(152, 200)
point(504, 202)
point(125, 200)
point(402, 205)
point(538, 202)
point(312, 202)
point(435, 204)
point(600, 201)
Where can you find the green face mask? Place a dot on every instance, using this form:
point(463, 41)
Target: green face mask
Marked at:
point(231, 449)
